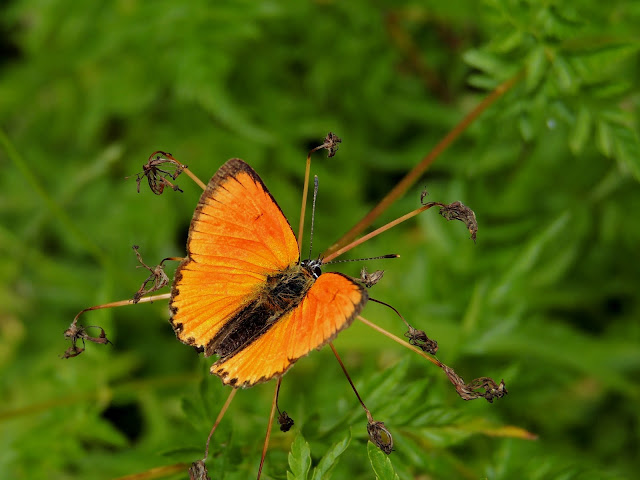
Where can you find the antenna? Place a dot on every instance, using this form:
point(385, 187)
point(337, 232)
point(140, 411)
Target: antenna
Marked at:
point(390, 255)
point(313, 212)
point(313, 220)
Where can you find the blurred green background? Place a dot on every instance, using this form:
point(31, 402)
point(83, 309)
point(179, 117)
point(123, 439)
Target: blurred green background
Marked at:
point(547, 299)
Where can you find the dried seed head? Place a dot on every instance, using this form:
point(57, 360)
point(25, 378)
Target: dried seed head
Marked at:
point(155, 281)
point(370, 279)
point(285, 421)
point(330, 144)
point(157, 177)
point(77, 332)
point(380, 436)
point(198, 471)
point(419, 339)
point(473, 389)
point(491, 390)
point(459, 211)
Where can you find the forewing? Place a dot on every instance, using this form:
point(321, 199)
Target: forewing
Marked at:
point(329, 306)
point(238, 236)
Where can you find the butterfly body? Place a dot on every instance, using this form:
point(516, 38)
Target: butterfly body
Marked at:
point(280, 293)
point(242, 292)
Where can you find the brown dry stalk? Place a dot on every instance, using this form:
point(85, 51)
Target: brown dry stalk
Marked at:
point(403, 185)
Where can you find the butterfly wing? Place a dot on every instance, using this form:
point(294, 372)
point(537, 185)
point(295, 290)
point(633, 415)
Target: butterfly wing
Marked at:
point(237, 238)
point(330, 305)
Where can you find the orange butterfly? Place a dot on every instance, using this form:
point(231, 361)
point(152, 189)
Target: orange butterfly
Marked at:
point(242, 292)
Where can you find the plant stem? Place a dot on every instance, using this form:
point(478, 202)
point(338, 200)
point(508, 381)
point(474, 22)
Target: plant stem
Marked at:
point(403, 185)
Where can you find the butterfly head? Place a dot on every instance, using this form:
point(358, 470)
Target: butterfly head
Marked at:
point(313, 267)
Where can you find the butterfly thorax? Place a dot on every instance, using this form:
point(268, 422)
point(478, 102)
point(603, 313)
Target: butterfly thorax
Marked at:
point(284, 290)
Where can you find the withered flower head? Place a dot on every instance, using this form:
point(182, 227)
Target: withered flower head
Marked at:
point(158, 177)
point(459, 211)
point(330, 144)
point(370, 279)
point(198, 471)
point(419, 339)
point(380, 436)
point(473, 389)
point(155, 281)
point(491, 390)
point(77, 332)
point(285, 421)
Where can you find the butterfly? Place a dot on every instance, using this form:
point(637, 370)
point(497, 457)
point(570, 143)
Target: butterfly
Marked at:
point(243, 293)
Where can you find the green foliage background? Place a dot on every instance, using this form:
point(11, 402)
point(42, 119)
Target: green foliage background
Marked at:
point(547, 299)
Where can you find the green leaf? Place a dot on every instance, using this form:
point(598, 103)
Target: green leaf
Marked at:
point(193, 411)
point(486, 62)
point(557, 24)
point(526, 127)
point(528, 257)
point(581, 130)
point(604, 138)
point(611, 89)
point(565, 77)
point(536, 67)
point(457, 431)
point(509, 41)
point(482, 82)
point(597, 63)
point(299, 459)
point(627, 149)
point(104, 432)
point(329, 460)
point(381, 463)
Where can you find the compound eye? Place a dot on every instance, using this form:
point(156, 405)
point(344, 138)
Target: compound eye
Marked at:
point(317, 271)
point(313, 267)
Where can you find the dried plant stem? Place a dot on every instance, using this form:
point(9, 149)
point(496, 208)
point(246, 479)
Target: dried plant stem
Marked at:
point(223, 410)
point(193, 177)
point(157, 472)
point(433, 360)
point(172, 259)
point(482, 387)
point(376, 232)
point(77, 333)
point(122, 303)
point(269, 426)
point(403, 185)
point(379, 435)
point(346, 374)
point(305, 193)
point(330, 144)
